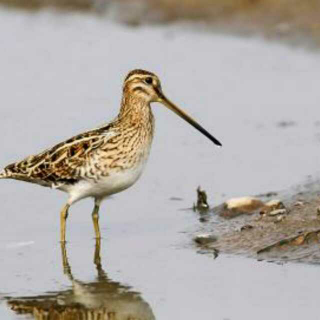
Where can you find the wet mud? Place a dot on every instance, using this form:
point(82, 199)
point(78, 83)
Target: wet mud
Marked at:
point(278, 233)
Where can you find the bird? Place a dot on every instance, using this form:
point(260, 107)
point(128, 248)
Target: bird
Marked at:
point(107, 159)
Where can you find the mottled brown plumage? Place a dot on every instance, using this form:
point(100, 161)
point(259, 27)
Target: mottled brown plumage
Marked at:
point(105, 160)
point(61, 164)
point(93, 154)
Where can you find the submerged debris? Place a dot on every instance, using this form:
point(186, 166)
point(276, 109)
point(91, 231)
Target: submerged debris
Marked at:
point(202, 202)
point(215, 253)
point(286, 124)
point(212, 251)
point(175, 199)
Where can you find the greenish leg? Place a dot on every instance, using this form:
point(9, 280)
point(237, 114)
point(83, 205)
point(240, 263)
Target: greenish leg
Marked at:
point(95, 219)
point(63, 219)
point(97, 259)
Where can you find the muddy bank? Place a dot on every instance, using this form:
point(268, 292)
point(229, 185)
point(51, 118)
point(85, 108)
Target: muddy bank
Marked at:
point(289, 231)
point(294, 21)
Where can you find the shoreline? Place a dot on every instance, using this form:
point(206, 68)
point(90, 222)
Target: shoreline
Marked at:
point(291, 236)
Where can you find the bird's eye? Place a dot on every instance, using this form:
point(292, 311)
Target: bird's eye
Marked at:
point(148, 80)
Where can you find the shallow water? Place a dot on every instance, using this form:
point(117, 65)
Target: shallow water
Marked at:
point(62, 74)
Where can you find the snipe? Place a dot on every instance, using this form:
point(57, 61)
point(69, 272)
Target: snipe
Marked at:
point(105, 160)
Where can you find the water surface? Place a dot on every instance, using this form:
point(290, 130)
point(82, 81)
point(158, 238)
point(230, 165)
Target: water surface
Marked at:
point(62, 74)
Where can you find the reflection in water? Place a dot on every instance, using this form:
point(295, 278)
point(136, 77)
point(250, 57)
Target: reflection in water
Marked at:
point(101, 299)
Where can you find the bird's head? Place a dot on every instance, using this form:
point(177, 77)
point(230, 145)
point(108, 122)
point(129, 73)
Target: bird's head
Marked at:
point(146, 85)
point(143, 84)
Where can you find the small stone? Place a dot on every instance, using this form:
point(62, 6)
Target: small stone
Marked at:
point(238, 206)
point(246, 227)
point(277, 212)
point(275, 204)
point(280, 218)
point(244, 204)
point(204, 239)
point(299, 204)
point(270, 206)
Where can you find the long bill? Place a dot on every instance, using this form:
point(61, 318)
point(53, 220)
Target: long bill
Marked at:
point(186, 117)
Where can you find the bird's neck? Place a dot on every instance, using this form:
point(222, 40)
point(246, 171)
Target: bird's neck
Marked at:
point(136, 111)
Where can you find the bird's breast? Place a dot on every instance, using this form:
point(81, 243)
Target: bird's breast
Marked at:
point(117, 180)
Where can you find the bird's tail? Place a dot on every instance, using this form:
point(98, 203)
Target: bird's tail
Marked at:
point(4, 174)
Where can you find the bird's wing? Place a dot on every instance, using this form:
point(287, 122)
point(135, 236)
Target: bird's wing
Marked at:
point(64, 163)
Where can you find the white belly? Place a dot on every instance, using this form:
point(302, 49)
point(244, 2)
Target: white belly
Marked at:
point(105, 186)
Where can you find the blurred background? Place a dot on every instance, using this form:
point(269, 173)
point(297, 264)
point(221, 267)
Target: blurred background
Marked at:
point(296, 21)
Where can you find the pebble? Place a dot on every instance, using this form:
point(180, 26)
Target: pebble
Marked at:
point(277, 212)
point(299, 204)
point(204, 239)
point(244, 204)
point(280, 218)
point(246, 227)
point(275, 204)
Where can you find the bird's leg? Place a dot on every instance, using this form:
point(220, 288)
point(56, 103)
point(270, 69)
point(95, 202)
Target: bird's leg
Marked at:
point(65, 262)
point(95, 218)
point(63, 218)
point(97, 259)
